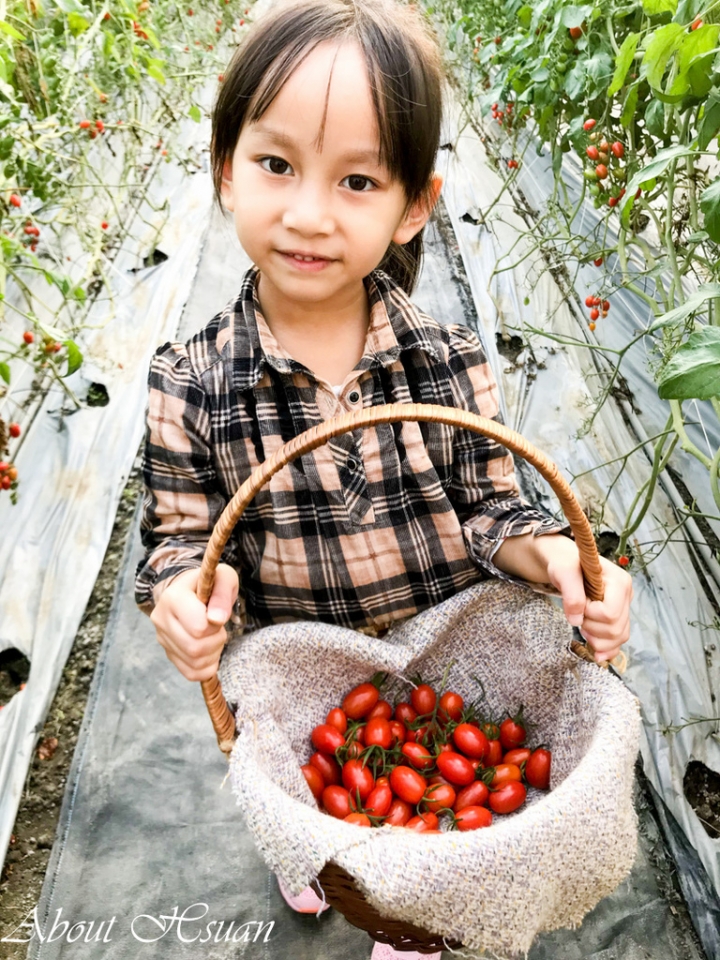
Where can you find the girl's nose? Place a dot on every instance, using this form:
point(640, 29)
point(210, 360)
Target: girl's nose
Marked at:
point(309, 212)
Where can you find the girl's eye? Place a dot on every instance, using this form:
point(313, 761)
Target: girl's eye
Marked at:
point(274, 164)
point(359, 184)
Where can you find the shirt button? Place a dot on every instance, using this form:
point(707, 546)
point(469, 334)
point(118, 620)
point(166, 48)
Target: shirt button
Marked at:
point(353, 396)
point(351, 464)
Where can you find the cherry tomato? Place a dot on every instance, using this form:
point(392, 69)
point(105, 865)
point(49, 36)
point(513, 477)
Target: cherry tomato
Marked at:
point(327, 766)
point(601, 170)
point(473, 795)
point(423, 699)
point(589, 124)
point(357, 734)
point(378, 733)
point(512, 734)
point(326, 738)
point(592, 152)
point(314, 780)
point(504, 772)
point(336, 718)
point(451, 706)
point(360, 701)
point(381, 709)
point(354, 750)
point(441, 795)
point(445, 748)
point(537, 769)
point(357, 779)
point(494, 753)
point(405, 713)
point(509, 797)
point(456, 768)
point(470, 740)
point(418, 755)
point(617, 149)
point(399, 813)
point(360, 819)
point(472, 818)
point(380, 798)
point(423, 822)
point(517, 756)
point(397, 729)
point(407, 784)
point(336, 801)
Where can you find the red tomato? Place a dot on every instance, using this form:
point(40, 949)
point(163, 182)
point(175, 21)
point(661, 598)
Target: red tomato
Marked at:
point(378, 733)
point(421, 733)
point(361, 819)
point(491, 730)
point(509, 797)
point(423, 699)
point(358, 779)
point(381, 709)
point(456, 768)
point(327, 766)
point(399, 813)
point(445, 748)
point(505, 772)
point(472, 818)
point(336, 718)
point(494, 753)
point(405, 713)
point(336, 801)
point(475, 763)
point(407, 784)
point(473, 795)
point(512, 734)
point(354, 750)
point(418, 755)
point(380, 798)
point(397, 729)
point(451, 706)
point(537, 769)
point(326, 738)
point(441, 795)
point(358, 734)
point(470, 740)
point(314, 780)
point(423, 822)
point(360, 701)
point(517, 756)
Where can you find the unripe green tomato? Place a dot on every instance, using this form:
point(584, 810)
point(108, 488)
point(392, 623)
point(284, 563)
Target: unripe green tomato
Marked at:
point(562, 57)
point(562, 68)
point(597, 203)
point(590, 175)
point(619, 173)
point(594, 189)
point(554, 85)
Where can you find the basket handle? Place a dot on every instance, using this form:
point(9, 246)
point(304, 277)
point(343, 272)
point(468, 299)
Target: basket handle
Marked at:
point(220, 714)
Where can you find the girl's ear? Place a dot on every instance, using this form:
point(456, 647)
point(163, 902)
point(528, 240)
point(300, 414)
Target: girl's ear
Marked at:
point(226, 186)
point(419, 213)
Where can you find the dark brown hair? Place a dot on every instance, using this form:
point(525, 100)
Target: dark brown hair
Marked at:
point(405, 73)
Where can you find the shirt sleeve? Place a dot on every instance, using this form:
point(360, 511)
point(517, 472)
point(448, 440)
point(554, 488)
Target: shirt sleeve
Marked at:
point(484, 489)
point(182, 494)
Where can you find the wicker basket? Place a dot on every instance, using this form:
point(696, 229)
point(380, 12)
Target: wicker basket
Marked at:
point(338, 886)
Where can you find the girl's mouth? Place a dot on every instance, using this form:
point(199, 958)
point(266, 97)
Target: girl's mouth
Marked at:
point(306, 263)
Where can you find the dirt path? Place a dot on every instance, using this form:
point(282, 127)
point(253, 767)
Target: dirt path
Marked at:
point(24, 871)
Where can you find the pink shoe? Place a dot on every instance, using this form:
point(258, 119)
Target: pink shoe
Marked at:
point(307, 901)
point(383, 951)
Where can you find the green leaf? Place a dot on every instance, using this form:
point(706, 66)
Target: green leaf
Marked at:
point(693, 373)
point(574, 16)
point(6, 145)
point(194, 113)
point(74, 357)
point(524, 17)
point(156, 73)
point(655, 118)
point(697, 44)
point(710, 123)
point(77, 23)
point(663, 44)
point(599, 69)
point(575, 81)
point(708, 291)
point(11, 32)
point(5, 371)
point(631, 101)
point(655, 7)
point(623, 61)
point(653, 170)
point(710, 206)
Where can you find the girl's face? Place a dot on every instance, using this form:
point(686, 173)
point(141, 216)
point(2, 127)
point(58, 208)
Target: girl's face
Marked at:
point(297, 193)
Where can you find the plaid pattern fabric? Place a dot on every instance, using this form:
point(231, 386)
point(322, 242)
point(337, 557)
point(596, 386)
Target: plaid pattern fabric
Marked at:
point(371, 528)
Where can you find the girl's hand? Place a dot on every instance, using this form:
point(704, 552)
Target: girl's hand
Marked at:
point(192, 634)
point(605, 624)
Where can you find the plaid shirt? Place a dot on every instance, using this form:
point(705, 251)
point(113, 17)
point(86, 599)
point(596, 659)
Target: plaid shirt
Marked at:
point(373, 527)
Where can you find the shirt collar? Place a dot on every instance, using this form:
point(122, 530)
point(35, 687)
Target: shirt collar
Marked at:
point(396, 325)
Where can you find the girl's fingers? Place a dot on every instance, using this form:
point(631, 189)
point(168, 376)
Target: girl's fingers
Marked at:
point(615, 633)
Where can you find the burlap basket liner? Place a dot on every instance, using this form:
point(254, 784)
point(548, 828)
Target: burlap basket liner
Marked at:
point(496, 888)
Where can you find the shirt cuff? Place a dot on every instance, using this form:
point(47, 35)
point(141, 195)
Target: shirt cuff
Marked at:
point(483, 547)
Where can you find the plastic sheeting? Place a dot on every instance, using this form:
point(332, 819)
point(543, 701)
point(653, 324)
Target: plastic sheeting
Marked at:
point(73, 465)
point(548, 396)
point(148, 828)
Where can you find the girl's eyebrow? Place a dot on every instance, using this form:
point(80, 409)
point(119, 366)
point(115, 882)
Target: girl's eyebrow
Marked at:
point(369, 155)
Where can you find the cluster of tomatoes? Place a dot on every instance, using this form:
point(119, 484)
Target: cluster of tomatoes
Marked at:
point(598, 308)
point(8, 471)
point(422, 760)
point(93, 127)
point(606, 157)
point(503, 115)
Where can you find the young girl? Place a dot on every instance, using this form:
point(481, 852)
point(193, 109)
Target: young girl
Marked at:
point(325, 134)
